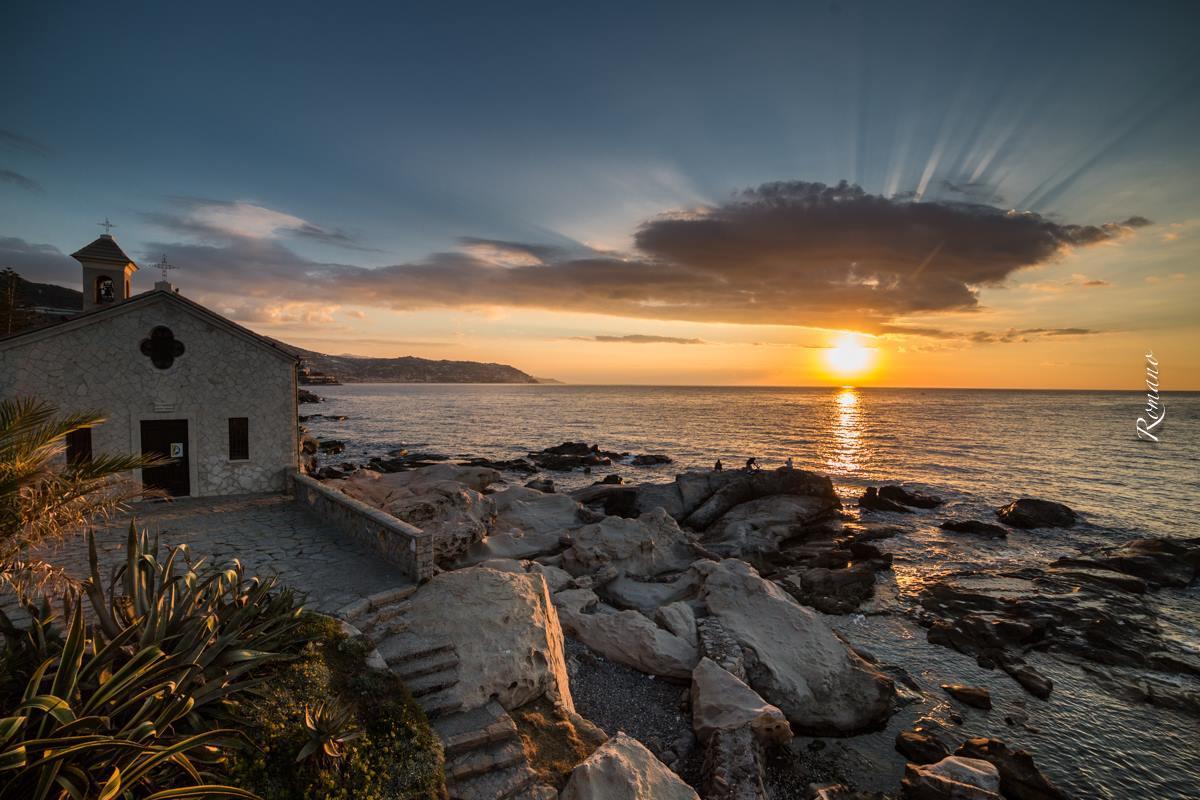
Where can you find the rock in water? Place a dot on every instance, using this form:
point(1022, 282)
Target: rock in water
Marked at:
point(975, 527)
point(505, 630)
point(623, 769)
point(920, 747)
point(899, 494)
point(873, 500)
point(952, 778)
point(1031, 513)
point(721, 702)
point(793, 659)
point(1020, 779)
point(1158, 562)
point(969, 695)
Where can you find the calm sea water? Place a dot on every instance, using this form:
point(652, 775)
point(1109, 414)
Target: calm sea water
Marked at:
point(978, 449)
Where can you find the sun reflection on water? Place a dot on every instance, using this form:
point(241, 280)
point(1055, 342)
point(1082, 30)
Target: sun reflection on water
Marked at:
point(845, 455)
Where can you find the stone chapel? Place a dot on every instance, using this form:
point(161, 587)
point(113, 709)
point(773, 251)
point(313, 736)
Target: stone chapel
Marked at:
point(170, 376)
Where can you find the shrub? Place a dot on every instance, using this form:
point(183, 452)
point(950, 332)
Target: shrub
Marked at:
point(397, 754)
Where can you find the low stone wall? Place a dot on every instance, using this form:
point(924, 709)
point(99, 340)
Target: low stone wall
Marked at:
point(399, 543)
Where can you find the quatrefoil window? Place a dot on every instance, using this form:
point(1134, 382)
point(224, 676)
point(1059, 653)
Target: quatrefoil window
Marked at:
point(162, 347)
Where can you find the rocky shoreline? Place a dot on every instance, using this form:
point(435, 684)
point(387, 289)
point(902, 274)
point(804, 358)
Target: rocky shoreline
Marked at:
point(720, 600)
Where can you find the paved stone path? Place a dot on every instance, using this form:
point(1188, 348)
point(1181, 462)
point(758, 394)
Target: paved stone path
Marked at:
point(269, 534)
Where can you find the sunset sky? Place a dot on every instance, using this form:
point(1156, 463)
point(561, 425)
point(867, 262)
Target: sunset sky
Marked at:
point(636, 193)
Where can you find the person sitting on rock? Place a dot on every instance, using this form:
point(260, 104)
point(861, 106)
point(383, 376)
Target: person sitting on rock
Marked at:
point(752, 464)
point(790, 464)
point(718, 466)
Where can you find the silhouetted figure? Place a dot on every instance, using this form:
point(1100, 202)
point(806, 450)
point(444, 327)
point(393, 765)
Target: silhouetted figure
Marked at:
point(752, 464)
point(718, 466)
point(790, 465)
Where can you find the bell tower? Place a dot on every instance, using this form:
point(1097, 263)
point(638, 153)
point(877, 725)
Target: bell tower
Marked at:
point(106, 271)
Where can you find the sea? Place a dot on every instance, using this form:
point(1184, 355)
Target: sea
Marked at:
point(977, 449)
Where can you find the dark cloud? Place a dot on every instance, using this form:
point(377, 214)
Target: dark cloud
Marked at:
point(1010, 336)
point(638, 338)
point(17, 179)
point(15, 142)
point(975, 191)
point(41, 263)
point(783, 253)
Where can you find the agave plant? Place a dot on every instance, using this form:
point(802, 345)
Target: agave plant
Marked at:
point(131, 706)
point(330, 727)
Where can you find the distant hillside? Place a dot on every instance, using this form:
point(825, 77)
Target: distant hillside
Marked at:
point(47, 295)
point(408, 369)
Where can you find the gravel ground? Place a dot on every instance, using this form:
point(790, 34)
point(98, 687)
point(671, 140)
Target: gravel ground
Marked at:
point(647, 708)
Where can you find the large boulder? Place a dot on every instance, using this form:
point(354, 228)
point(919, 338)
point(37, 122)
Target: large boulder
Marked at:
point(1157, 562)
point(623, 769)
point(527, 524)
point(793, 659)
point(760, 525)
point(444, 500)
point(734, 488)
point(1020, 779)
point(1032, 513)
point(505, 630)
point(952, 778)
point(722, 702)
point(628, 637)
point(652, 544)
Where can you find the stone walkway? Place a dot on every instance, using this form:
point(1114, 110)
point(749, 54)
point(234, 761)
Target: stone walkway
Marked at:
point(269, 534)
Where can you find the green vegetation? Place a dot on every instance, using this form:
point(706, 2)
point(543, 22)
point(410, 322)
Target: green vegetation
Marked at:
point(395, 754)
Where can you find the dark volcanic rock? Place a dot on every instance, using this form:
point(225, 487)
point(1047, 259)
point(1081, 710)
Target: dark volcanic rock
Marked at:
point(872, 500)
point(506, 465)
point(612, 479)
point(544, 485)
point(650, 460)
point(305, 396)
point(921, 747)
point(1032, 513)
point(975, 527)
point(898, 494)
point(1020, 779)
point(332, 447)
point(572, 455)
point(973, 696)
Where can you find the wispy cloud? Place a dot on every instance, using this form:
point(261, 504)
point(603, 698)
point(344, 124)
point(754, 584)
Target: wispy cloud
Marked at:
point(239, 219)
point(19, 143)
point(638, 338)
point(17, 179)
point(1010, 336)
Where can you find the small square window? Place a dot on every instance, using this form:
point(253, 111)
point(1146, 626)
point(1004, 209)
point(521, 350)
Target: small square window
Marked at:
point(239, 438)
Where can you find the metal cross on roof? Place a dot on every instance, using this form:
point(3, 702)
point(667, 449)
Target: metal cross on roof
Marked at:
point(164, 266)
point(108, 226)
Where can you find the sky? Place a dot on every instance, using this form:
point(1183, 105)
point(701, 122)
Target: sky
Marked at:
point(896, 194)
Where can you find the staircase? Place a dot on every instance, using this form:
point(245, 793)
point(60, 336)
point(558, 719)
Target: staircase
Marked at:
point(485, 759)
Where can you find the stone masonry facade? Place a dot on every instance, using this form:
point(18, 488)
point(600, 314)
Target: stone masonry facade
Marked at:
point(96, 363)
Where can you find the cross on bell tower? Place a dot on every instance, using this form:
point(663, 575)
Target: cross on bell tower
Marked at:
point(106, 271)
point(108, 226)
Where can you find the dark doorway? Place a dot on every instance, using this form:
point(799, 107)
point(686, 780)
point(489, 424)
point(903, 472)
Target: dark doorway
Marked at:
point(167, 438)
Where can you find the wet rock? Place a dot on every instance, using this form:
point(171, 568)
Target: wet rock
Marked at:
point(921, 747)
point(1032, 513)
point(871, 499)
point(305, 396)
point(792, 657)
point(975, 527)
point(898, 494)
point(329, 474)
point(1157, 562)
point(504, 465)
point(650, 460)
point(1030, 679)
point(1020, 779)
point(952, 778)
point(973, 696)
point(612, 479)
point(833, 591)
point(545, 485)
point(332, 447)
point(623, 769)
point(572, 455)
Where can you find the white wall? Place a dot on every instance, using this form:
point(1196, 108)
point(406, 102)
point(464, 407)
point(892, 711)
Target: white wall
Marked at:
point(99, 366)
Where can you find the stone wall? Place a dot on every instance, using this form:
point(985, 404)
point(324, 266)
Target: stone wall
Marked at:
point(399, 543)
point(95, 363)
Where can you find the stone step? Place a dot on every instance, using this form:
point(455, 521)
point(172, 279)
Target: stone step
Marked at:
point(441, 704)
point(496, 756)
point(386, 614)
point(431, 684)
point(500, 730)
point(469, 720)
point(502, 784)
point(428, 664)
point(400, 649)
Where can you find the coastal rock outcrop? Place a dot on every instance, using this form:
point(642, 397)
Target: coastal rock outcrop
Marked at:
point(761, 525)
point(650, 545)
point(1020, 779)
point(722, 702)
point(1158, 562)
point(1032, 513)
point(952, 778)
point(623, 769)
point(505, 630)
point(906, 497)
point(793, 659)
point(873, 500)
point(975, 527)
point(527, 523)
point(444, 500)
point(628, 637)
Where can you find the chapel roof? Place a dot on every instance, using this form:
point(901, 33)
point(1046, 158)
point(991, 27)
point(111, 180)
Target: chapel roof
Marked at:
point(104, 248)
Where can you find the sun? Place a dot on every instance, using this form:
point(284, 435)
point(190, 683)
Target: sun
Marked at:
point(848, 357)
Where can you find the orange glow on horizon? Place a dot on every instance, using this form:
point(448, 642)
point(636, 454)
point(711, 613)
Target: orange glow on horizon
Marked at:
point(848, 357)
